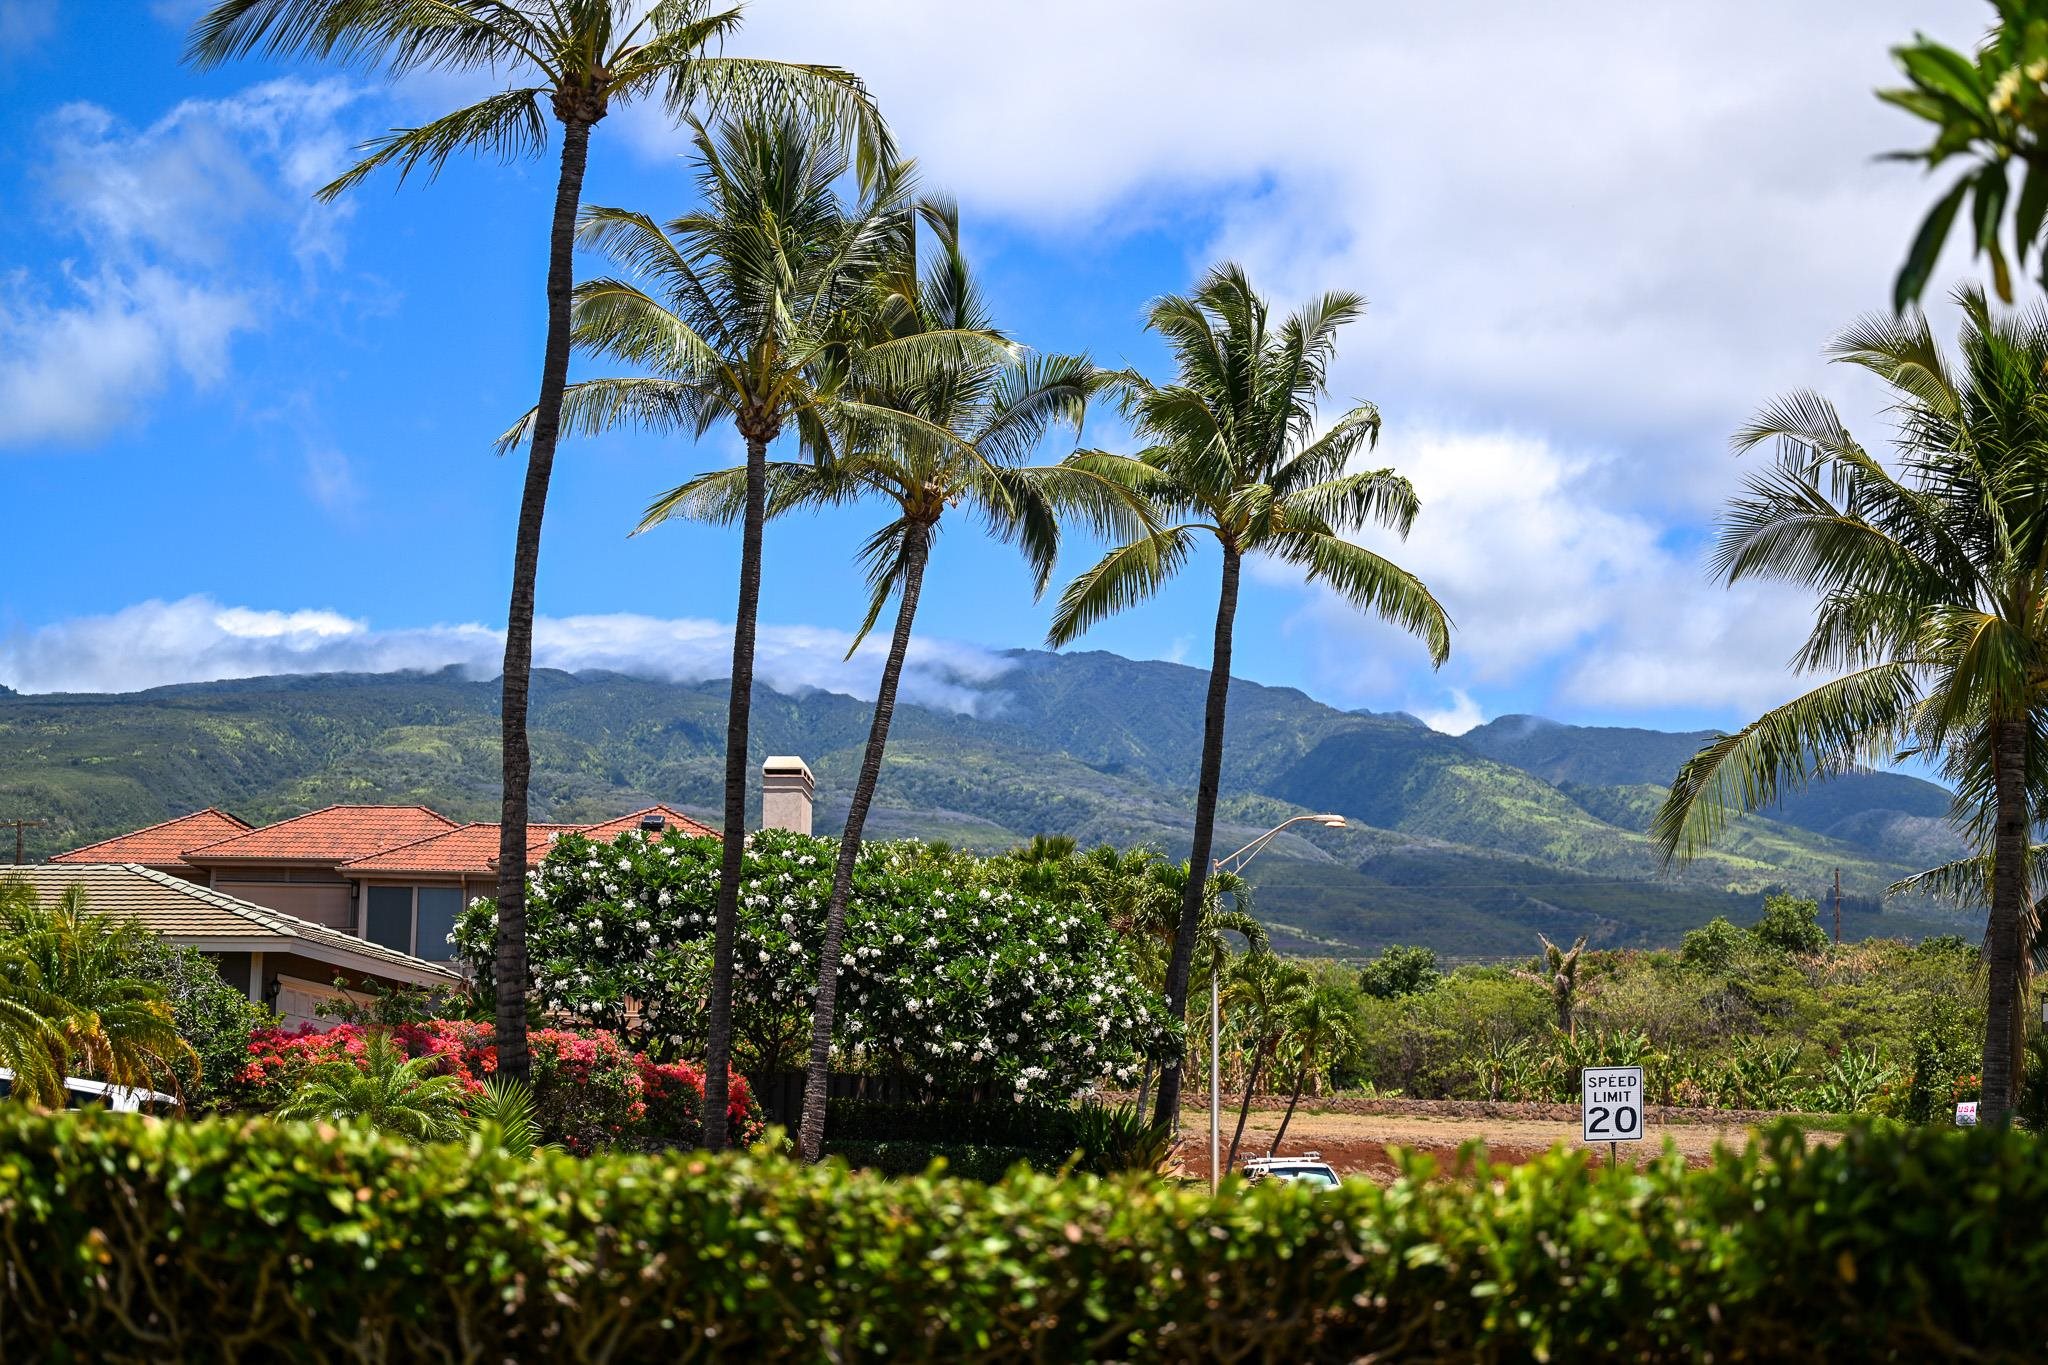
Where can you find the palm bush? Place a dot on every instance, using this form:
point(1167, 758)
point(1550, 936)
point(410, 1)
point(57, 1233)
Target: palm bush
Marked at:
point(386, 1090)
point(71, 1001)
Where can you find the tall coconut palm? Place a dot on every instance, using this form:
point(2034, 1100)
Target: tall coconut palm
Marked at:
point(1932, 610)
point(576, 59)
point(757, 309)
point(986, 415)
point(1230, 447)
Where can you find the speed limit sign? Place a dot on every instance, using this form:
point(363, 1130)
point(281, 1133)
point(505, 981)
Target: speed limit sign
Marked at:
point(1613, 1104)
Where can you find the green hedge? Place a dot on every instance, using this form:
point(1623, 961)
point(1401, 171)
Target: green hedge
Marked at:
point(985, 1123)
point(968, 1160)
point(138, 1239)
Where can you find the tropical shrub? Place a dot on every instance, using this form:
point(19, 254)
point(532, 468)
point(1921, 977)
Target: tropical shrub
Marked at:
point(587, 1090)
point(1900, 1245)
point(949, 976)
point(214, 1018)
point(382, 1088)
point(1790, 925)
point(1399, 971)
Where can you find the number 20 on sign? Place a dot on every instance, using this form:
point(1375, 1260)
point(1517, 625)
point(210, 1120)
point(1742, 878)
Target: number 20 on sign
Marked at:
point(1612, 1108)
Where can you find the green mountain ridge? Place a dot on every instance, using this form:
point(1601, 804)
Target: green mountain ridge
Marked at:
point(1471, 844)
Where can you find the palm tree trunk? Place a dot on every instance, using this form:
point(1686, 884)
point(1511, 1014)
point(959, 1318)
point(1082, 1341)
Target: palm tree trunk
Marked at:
point(2008, 895)
point(1182, 961)
point(811, 1137)
point(1144, 1086)
point(1300, 1079)
point(738, 714)
point(1244, 1108)
point(508, 967)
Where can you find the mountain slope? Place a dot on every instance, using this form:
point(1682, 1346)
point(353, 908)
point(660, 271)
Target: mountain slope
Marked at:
point(1470, 844)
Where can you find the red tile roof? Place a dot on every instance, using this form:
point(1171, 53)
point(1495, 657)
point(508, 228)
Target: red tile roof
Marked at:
point(473, 849)
point(161, 845)
point(673, 821)
point(337, 834)
point(470, 849)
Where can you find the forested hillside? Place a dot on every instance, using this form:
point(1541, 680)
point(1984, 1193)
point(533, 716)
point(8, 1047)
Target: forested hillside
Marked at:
point(1469, 844)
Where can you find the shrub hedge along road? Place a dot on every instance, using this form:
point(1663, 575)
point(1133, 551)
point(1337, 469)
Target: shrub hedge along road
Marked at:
point(137, 1239)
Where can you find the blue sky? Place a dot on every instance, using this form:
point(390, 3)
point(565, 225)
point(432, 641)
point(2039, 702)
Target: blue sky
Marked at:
point(241, 432)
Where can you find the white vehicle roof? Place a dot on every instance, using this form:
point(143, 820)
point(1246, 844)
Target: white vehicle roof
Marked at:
point(120, 1098)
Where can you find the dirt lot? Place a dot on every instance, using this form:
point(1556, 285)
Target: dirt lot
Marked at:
point(1357, 1143)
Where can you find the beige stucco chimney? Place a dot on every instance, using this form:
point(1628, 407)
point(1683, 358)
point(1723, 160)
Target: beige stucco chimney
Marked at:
point(786, 787)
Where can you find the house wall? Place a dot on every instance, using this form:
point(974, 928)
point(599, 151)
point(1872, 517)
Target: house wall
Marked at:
point(309, 894)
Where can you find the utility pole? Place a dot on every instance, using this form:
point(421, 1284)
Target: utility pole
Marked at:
point(1838, 907)
point(20, 837)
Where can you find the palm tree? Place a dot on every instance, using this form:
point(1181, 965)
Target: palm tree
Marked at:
point(757, 310)
point(1558, 973)
point(1931, 587)
point(1265, 991)
point(68, 992)
point(575, 59)
point(1322, 1016)
point(507, 1120)
point(987, 414)
point(1160, 927)
point(1230, 446)
point(387, 1091)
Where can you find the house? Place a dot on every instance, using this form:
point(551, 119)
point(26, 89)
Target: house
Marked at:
point(366, 893)
point(288, 963)
point(396, 876)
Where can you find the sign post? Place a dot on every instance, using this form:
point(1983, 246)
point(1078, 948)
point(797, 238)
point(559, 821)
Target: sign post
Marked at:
point(1611, 1109)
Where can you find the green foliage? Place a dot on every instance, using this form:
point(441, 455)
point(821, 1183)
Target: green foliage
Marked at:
point(948, 976)
point(1989, 107)
point(386, 1091)
point(214, 1018)
point(73, 1003)
point(1945, 1043)
point(1890, 1245)
point(1712, 947)
point(507, 1119)
point(1400, 971)
point(1790, 925)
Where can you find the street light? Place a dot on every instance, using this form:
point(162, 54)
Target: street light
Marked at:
point(1233, 863)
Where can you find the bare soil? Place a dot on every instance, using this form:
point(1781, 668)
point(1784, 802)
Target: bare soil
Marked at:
point(1359, 1143)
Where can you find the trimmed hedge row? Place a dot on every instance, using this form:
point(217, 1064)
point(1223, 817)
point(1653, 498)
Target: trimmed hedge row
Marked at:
point(137, 1239)
point(986, 1123)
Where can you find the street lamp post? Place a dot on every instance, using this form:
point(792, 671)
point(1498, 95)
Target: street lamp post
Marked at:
point(1233, 863)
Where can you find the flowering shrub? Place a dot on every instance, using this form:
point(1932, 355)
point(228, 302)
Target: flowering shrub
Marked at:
point(673, 1093)
point(948, 975)
point(589, 1091)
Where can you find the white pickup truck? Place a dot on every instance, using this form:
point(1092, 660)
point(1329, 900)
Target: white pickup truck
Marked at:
point(78, 1093)
point(1307, 1169)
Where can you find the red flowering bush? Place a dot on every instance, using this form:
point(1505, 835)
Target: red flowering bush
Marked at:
point(673, 1093)
point(588, 1090)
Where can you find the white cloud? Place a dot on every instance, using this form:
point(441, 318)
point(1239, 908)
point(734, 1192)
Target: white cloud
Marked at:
point(1461, 715)
point(165, 213)
point(1540, 573)
point(70, 372)
point(196, 639)
point(331, 479)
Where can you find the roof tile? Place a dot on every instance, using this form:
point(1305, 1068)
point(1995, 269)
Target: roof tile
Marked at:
point(163, 844)
point(338, 834)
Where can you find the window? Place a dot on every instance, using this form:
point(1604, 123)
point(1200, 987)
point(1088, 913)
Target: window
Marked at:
point(412, 919)
point(439, 905)
point(387, 918)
